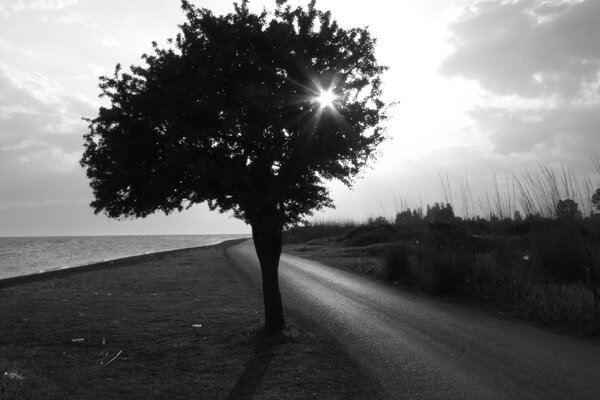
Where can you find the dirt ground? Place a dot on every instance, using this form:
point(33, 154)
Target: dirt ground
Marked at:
point(178, 325)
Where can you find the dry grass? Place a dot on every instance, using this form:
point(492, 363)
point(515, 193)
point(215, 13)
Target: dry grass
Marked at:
point(317, 230)
point(364, 260)
point(136, 323)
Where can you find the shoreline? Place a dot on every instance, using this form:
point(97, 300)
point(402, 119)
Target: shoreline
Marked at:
point(108, 264)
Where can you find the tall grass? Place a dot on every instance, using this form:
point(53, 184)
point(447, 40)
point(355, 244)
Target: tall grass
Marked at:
point(539, 194)
point(532, 193)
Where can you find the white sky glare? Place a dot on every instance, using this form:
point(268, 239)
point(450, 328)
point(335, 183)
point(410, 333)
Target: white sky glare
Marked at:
point(483, 87)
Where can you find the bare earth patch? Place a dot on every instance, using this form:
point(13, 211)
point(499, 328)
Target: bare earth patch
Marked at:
point(181, 325)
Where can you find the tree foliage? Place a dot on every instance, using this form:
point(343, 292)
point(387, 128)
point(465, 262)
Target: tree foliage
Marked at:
point(226, 114)
point(596, 199)
point(440, 212)
point(567, 209)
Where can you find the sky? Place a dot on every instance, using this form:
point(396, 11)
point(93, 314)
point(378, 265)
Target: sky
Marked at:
point(485, 90)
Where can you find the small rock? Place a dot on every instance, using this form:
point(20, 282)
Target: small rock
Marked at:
point(14, 376)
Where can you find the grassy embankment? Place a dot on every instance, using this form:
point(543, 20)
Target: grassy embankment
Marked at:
point(544, 267)
point(180, 325)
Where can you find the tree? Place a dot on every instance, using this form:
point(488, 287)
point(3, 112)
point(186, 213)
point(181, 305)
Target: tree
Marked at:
point(517, 216)
point(596, 199)
point(409, 219)
point(567, 209)
point(440, 212)
point(250, 113)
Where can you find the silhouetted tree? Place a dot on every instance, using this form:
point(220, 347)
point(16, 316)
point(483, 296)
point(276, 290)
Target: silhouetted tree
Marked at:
point(596, 199)
point(517, 216)
point(409, 219)
point(567, 209)
point(228, 114)
point(440, 212)
point(404, 218)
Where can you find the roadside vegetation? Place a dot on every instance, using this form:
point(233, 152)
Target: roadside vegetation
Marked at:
point(535, 254)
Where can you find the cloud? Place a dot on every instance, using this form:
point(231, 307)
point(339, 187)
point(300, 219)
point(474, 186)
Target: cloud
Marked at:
point(110, 41)
point(48, 11)
point(41, 139)
point(565, 131)
point(538, 63)
point(8, 7)
point(69, 17)
point(527, 48)
point(27, 89)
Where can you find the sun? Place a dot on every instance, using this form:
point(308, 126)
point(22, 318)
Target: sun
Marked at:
point(326, 98)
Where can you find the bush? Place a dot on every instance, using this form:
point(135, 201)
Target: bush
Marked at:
point(572, 305)
point(504, 275)
point(443, 268)
point(396, 265)
point(562, 252)
point(365, 235)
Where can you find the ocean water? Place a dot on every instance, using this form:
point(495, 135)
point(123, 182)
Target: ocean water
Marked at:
point(31, 255)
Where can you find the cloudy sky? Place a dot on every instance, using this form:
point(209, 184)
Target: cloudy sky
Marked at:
point(484, 88)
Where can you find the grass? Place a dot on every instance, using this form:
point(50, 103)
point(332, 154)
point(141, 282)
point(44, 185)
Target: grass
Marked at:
point(320, 229)
point(372, 233)
point(181, 326)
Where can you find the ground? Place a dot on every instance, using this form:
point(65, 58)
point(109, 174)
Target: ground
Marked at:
point(178, 325)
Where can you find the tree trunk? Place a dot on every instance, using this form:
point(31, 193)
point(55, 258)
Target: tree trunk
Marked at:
point(266, 233)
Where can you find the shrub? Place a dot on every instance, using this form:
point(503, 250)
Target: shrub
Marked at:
point(562, 252)
point(396, 265)
point(443, 267)
point(371, 234)
point(572, 305)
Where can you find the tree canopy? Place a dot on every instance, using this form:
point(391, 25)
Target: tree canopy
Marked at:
point(567, 209)
point(596, 199)
point(228, 114)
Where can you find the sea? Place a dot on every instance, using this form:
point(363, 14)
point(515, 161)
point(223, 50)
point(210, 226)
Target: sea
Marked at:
point(33, 255)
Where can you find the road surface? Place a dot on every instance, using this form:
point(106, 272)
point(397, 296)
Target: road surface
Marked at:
point(421, 348)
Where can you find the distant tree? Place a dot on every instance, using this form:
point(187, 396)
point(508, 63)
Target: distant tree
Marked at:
point(381, 220)
point(409, 219)
point(596, 199)
point(404, 217)
point(446, 213)
point(250, 113)
point(440, 212)
point(567, 209)
point(417, 214)
point(517, 216)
